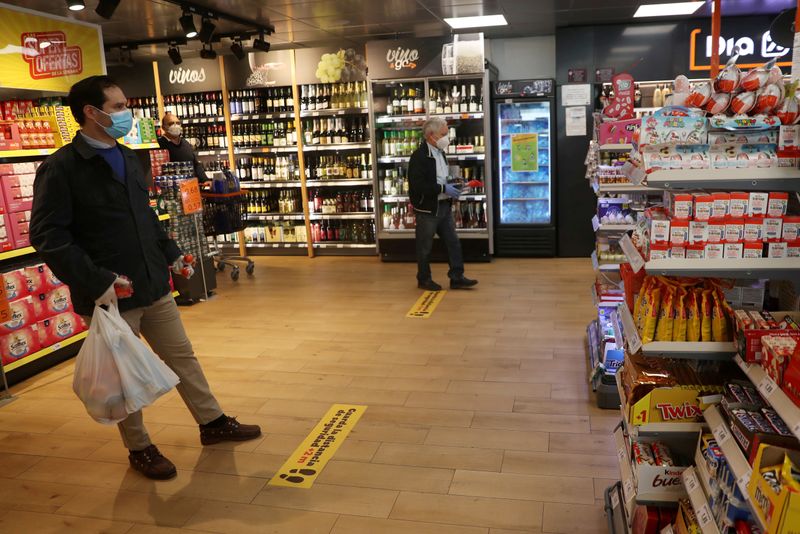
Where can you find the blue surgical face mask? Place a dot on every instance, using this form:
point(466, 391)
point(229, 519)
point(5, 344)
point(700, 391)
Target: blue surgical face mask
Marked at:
point(121, 123)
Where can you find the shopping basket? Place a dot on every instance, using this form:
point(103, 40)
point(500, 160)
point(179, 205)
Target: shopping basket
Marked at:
point(226, 214)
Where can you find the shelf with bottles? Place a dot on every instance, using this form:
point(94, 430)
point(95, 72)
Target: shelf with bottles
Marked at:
point(191, 107)
point(331, 99)
point(336, 133)
point(345, 204)
point(144, 107)
point(446, 99)
point(268, 169)
point(343, 234)
point(276, 216)
point(403, 100)
point(333, 167)
point(406, 198)
point(271, 203)
point(263, 102)
point(469, 216)
point(276, 134)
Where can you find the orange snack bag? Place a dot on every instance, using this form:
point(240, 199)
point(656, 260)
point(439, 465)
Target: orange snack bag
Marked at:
point(719, 322)
point(666, 315)
point(706, 310)
point(651, 308)
point(681, 316)
point(638, 307)
point(693, 322)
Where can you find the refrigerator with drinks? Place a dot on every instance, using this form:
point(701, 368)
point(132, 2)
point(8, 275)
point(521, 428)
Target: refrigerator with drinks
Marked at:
point(523, 126)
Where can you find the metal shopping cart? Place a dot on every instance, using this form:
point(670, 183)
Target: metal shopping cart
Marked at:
point(226, 214)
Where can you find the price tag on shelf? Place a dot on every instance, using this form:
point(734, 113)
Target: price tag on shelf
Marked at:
point(595, 263)
point(704, 516)
point(622, 455)
point(629, 328)
point(721, 434)
point(627, 489)
point(767, 387)
point(691, 482)
point(614, 499)
point(632, 253)
point(796, 429)
point(743, 481)
point(595, 223)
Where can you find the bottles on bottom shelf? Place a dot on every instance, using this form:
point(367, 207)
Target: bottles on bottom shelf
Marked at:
point(274, 201)
point(329, 202)
point(467, 214)
point(326, 231)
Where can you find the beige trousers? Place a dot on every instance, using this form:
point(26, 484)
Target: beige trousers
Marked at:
point(160, 325)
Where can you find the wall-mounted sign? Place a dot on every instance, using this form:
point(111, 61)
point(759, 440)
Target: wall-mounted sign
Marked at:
point(331, 65)
point(754, 43)
point(260, 69)
point(45, 52)
point(604, 75)
point(192, 76)
point(416, 58)
point(576, 75)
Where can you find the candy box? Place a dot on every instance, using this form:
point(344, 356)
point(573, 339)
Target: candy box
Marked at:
point(679, 232)
point(733, 251)
point(679, 205)
point(793, 249)
point(757, 137)
point(778, 508)
point(776, 204)
point(619, 132)
point(738, 204)
point(19, 229)
point(749, 435)
point(791, 228)
point(695, 251)
point(753, 250)
point(16, 284)
point(666, 405)
point(716, 230)
point(748, 340)
point(777, 350)
point(659, 226)
point(719, 208)
point(674, 125)
point(659, 251)
point(698, 232)
point(56, 329)
point(663, 481)
point(734, 229)
point(735, 156)
point(703, 205)
point(18, 192)
point(758, 203)
point(777, 250)
point(19, 344)
point(675, 157)
point(714, 251)
point(753, 228)
point(614, 211)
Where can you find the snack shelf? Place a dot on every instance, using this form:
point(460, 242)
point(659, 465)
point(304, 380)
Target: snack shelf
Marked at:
point(16, 253)
point(275, 216)
point(334, 112)
point(359, 215)
point(774, 395)
point(340, 146)
point(26, 153)
point(750, 268)
point(689, 350)
point(46, 351)
point(336, 183)
point(268, 184)
point(771, 179)
point(699, 502)
point(615, 146)
point(653, 428)
point(733, 454)
point(163, 217)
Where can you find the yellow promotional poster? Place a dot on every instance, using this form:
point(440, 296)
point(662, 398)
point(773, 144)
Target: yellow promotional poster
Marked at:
point(425, 305)
point(47, 53)
point(309, 459)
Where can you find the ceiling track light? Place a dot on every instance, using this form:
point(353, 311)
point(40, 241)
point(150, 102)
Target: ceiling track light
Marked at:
point(187, 24)
point(207, 30)
point(76, 5)
point(207, 52)
point(106, 8)
point(237, 48)
point(260, 43)
point(174, 55)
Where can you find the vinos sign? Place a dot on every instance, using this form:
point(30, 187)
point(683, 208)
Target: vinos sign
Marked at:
point(192, 76)
point(402, 58)
point(182, 76)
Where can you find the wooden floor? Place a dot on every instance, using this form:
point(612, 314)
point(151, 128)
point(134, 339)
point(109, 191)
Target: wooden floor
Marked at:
point(479, 418)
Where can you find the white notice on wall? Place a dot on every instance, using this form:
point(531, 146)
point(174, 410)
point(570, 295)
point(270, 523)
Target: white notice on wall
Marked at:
point(576, 95)
point(576, 121)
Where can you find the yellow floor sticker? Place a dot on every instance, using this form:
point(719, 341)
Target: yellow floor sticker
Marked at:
point(309, 459)
point(426, 304)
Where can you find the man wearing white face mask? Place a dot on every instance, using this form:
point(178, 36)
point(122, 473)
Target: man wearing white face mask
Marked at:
point(432, 197)
point(92, 224)
point(179, 148)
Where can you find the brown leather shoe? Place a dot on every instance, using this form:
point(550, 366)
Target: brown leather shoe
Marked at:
point(230, 430)
point(152, 464)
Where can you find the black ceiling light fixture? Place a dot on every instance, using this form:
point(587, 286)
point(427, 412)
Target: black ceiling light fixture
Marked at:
point(187, 23)
point(106, 8)
point(237, 48)
point(207, 52)
point(174, 54)
point(260, 43)
point(207, 30)
point(76, 5)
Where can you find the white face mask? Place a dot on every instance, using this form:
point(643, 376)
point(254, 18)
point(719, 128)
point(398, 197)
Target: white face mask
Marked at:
point(174, 130)
point(442, 143)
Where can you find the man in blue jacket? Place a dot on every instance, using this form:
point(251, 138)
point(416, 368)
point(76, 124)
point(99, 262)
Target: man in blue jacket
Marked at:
point(432, 197)
point(93, 225)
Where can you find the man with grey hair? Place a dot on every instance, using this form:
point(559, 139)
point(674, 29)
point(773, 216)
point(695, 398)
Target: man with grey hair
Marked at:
point(432, 197)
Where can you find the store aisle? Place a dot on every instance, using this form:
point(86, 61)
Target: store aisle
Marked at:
point(479, 418)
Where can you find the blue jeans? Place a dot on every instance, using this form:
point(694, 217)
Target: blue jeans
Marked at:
point(440, 223)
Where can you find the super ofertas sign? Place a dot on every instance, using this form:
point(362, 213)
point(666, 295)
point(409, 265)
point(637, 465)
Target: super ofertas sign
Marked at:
point(45, 52)
point(753, 41)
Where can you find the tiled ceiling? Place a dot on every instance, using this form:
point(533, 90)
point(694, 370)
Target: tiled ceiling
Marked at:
point(320, 22)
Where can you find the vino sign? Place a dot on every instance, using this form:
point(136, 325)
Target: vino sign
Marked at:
point(192, 76)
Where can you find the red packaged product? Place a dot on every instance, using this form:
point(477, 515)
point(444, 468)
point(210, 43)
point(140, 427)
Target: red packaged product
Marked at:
point(791, 228)
point(703, 204)
point(753, 250)
point(34, 275)
point(753, 228)
point(22, 315)
point(738, 206)
point(720, 205)
point(679, 232)
point(57, 329)
point(53, 302)
point(16, 284)
point(19, 344)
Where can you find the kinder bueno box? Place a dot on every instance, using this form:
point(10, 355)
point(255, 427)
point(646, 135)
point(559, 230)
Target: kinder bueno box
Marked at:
point(659, 479)
point(18, 192)
point(19, 344)
point(52, 303)
point(619, 132)
point(22, 315)
point(59, 328)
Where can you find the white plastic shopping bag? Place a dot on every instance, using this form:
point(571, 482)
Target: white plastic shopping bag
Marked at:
point(141, 376)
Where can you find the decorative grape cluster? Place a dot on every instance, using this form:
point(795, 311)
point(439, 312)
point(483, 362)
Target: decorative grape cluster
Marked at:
point(343, 66)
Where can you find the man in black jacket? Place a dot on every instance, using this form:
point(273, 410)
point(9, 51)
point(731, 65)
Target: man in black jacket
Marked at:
point(93, 225)
point(432, 197)
point(179, 148)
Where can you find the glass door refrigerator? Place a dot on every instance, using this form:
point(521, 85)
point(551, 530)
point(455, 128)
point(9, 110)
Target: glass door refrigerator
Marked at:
point(524, 136)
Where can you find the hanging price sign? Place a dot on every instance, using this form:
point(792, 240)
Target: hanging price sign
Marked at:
point(190, 196)
point(767, 387)
point(691, 482)
point(595, 223)
point(722, 435)
point(632, 253)
point(704, 515)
